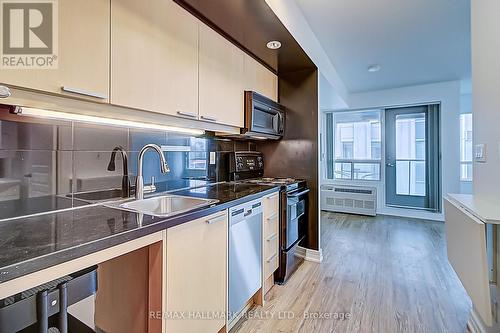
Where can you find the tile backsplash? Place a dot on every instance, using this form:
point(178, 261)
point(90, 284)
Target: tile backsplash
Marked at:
point(56, 158)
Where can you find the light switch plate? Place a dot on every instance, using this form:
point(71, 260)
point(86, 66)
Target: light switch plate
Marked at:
point(212, 157)
point(480, 153)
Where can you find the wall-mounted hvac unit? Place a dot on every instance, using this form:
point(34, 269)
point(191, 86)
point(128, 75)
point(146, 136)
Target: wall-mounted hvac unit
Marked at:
point(349, 199)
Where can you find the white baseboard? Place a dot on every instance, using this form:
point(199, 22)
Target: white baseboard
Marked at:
point(309, 254)
point(476, 324)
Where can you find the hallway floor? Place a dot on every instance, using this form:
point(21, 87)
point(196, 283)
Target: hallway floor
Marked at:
point(381, 275)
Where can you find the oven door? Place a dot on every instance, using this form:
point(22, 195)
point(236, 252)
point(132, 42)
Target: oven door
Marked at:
point(267, 120)
point(295, 215)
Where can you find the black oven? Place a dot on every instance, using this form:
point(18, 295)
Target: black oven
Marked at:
point(263, 117)
point(296, 202)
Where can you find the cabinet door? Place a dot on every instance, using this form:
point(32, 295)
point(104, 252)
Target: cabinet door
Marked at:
point(154, 57)
point(83, 54)
point(196, 277)
point(258, 78)
point(271, 234)
point(221, 79)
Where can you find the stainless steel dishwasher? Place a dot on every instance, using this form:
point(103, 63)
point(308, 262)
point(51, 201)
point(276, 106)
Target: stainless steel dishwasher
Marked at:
point(245, 254)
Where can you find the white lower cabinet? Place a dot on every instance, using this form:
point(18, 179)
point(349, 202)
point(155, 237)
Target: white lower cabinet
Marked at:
point(271, 239)
point(196, 275)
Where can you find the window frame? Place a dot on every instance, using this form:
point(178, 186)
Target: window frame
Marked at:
point(463, 141)
point(189, 158)
point(332, 160)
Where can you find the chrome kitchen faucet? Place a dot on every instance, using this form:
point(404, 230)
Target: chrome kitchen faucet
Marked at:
point(140, 189)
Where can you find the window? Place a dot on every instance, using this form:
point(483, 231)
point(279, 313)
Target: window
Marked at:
point(466, 147)
point(410, 154)
point(354, 145)
point(197, 157)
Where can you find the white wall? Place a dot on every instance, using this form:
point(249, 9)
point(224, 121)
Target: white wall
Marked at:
point(448, 94)
point(486, 94)
point(327, 99)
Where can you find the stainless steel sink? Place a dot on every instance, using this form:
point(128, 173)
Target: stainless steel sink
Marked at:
point(166, 205)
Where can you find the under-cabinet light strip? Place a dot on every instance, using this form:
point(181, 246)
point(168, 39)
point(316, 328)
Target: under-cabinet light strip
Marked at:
point(32, 112)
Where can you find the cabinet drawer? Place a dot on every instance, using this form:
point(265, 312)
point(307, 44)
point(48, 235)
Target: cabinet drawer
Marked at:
point(271, 205)
point(270, 264)
point(270, 245)
point(271, 225)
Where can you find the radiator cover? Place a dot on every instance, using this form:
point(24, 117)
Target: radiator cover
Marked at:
point(349, 199)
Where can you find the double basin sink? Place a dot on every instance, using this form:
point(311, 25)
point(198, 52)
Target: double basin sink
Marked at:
point(162, 205)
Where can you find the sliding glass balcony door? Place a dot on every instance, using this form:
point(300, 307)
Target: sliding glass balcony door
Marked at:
point(412, 157)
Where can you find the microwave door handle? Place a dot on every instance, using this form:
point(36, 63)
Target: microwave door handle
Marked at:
point(276, 122)
point(280, 123)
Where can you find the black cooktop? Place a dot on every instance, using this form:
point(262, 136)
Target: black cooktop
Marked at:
point(286, 184)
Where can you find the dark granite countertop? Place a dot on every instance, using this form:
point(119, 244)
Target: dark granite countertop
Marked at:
point(37, 242)
point(28, 206)
point(35, 205)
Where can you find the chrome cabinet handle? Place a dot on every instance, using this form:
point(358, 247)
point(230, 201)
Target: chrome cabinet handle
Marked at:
point(209, 118)
point(271, 197)
point(272, 257)
point(187, 114)
point(83, 92)
point(272, 217)
point(294, 195)
point(272, 237)
point(390, 164)
point(216, 219)
point(5, 92)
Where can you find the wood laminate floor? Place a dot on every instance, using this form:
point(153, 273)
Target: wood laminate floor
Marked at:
point(387, 274)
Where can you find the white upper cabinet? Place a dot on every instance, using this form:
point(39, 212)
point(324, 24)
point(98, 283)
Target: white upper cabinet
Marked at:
point(221, 79)
point(82, 56)
point(258, 78)
point(154, 57)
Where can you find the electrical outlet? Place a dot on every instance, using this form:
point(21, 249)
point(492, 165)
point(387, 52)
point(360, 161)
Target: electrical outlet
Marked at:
point(480, 153)
point(212, 157)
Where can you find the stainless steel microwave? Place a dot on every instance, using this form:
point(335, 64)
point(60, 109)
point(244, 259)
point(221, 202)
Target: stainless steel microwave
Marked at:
point(264, 118)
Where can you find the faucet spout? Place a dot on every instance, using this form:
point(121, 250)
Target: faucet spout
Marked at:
point(164, 168)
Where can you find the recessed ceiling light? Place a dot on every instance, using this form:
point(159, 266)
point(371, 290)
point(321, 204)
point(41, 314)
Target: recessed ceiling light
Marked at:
point(274, 45)
point(374, 68)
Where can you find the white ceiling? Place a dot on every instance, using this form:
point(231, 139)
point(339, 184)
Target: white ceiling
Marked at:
point(415, 41)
